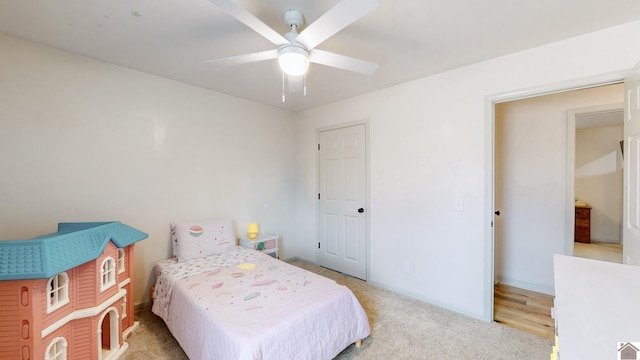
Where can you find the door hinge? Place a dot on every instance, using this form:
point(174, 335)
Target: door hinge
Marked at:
point(318, 196)
point(318, 245)
point(318, 147)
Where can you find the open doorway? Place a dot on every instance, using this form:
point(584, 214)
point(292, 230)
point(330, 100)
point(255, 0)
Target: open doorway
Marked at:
point(598, 180)
point(108, 335)
point(535, 200)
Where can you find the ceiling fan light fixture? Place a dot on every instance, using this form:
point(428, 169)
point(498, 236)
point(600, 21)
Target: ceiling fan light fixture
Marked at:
point(293, 60)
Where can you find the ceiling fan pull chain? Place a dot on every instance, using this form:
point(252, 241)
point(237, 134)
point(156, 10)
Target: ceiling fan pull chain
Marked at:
point(283, 86)
point(304, 85)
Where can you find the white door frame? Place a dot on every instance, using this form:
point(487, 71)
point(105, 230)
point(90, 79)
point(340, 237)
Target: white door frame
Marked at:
point(367, 212)
point(571, 165)
point(489, 156)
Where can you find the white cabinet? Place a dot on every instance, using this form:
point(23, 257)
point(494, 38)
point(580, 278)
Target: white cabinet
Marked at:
point(596, 307)
point(267, 243)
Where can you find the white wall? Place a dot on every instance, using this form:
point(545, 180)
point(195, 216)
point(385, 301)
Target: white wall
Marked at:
point(598, 179)
point(428, 150)
point(81, 140)
point(531, 182)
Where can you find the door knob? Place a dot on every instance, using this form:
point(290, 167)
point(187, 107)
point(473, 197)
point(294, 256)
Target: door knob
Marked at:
point(361, 210)
point(497, 212)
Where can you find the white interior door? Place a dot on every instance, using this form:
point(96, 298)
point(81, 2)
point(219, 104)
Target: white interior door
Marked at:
point(631, 188)
point(342, 223)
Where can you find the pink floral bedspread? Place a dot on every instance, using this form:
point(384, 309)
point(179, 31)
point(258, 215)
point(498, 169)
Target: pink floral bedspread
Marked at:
point(169, 271)
point(247, 305)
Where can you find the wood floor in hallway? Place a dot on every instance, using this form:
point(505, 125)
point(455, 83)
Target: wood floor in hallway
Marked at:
point(530, 311)
point(524, 310)
point(599, 251)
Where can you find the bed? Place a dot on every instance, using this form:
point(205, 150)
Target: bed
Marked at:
point(238, 303)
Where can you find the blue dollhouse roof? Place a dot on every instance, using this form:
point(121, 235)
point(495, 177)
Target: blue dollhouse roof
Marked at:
point(74, 244)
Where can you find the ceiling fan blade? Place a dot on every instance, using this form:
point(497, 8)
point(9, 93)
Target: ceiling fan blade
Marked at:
point(337, 18)
point(245, 17)
point(247, 58)
point(342, 62)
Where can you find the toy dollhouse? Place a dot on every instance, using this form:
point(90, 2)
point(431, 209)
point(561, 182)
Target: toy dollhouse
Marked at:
point(68, 295)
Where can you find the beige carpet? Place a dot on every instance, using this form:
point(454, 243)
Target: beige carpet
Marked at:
point(401, 328)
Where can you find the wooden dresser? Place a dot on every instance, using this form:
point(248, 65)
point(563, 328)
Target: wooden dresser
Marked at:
point(582, 231)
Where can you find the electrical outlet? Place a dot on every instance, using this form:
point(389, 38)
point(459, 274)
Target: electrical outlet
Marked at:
point(407, 267)
point(459, 205)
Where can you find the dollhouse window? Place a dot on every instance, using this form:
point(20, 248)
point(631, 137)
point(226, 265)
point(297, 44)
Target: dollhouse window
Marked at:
point(107, 273)
point(57, 350)
point(120, 261)
point(124, 307)
point(57, 291)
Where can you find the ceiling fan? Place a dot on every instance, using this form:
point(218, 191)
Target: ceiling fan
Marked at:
point(296, 50)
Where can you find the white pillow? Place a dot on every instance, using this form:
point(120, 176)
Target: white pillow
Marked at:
point(202, 238)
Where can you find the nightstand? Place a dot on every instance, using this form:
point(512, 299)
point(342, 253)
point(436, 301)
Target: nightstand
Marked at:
point(582, 229)
point(267, 243)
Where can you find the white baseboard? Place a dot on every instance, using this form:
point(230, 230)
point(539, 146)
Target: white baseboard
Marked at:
point(426, 300)
point(294, 258)
point(606, 241)
point(521, 284)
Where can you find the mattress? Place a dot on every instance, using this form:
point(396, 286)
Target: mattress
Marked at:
point(243, 304)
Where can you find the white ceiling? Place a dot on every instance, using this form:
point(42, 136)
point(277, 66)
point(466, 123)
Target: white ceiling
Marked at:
point(410, 39)
point(600, 119)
